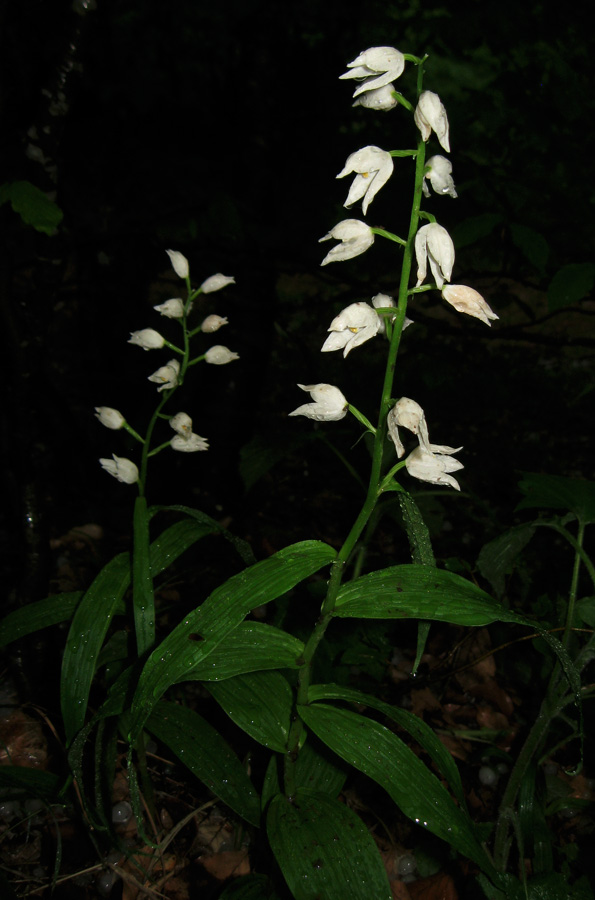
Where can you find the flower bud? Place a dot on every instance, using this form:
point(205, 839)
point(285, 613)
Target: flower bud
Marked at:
point(464, 299)
point(148, 339)
point(109, 417)
point(179, 263)
point(216, 282)
point(182, 423)
point(172, 309)
point(189, 444)
point(166, 376)
point(213, 323)
point(220, 355)
point(122, 469)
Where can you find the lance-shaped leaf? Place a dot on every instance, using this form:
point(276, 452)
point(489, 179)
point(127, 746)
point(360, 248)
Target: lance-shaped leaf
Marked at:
point(251, 647)
point(383, 756)
point(202, 749)
point(260, 703)
point(420, 592)
point(324, 850)
point(416, 727)
point(95, 611)
point(197, 636)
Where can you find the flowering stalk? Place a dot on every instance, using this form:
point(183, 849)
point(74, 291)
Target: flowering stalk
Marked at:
point(169, 377)
point(375, 485)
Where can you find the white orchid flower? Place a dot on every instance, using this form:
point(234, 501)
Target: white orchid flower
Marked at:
point(190, 444)
point(216, 282)
point(220, 355)
point(109, 417)
point(382, 98)
point(439, 174)
point(376, 67)
point(179, 263)
point(212, 323)
point(434, 465)
point(429, 116)
point(433, 242)
point(148, 339)
point(171, 309)
point(166, 376)
point(353, 326)
point(182, 424)
point(408, 414)
point(355, 236)
point(122, 469)
point(464, 299)
point(329, 403)
point(373, 168)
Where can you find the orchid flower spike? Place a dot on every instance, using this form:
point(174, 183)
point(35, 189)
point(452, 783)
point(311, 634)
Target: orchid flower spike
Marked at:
point(109, 417)
point(433, 242)
point(434, 465)
point(375, 67)
point(429, 116)
point(216, 282)
point(373, 168)
point(355, 236)
point(382, 98)
point(408, 414)
point(329, 403)
point(353, 326)
point(166, 376)
point(439, 174)
point(464, 299)
point(179, 263)
point(148, 339)
point(122, 469)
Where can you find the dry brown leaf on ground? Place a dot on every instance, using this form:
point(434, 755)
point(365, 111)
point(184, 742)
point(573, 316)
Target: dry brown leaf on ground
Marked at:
point(436, 887)
point(228, 864)
point(400, 891)
point(22, 742)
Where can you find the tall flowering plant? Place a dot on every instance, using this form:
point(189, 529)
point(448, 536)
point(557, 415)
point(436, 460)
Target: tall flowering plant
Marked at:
point(262, 676)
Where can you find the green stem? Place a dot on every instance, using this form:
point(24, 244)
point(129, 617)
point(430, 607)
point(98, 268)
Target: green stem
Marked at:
point(143, 598)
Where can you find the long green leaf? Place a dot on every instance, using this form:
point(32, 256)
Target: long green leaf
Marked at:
point(202, 630)
point(243, 549)
point(383, 756)
point(95, 611)
point(416, 727)
point(202, 750)
point(31, 782)
point(35, 616)
point(143, 593)
point(251, 647)
point(420, 592)
point(85, 638)
point(324, 850)
point(260, 703)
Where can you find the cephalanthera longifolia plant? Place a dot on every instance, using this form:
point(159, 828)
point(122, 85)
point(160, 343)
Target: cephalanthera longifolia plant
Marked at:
point(262, 676)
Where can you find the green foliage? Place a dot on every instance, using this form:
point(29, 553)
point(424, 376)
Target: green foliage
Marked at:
point(32, 205)
point(201, 749)
point(324, 849)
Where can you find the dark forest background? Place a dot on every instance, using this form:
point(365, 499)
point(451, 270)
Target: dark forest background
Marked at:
point(218, 129)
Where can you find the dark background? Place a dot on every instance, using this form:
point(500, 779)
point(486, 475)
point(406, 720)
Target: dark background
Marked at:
point(218, 130)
